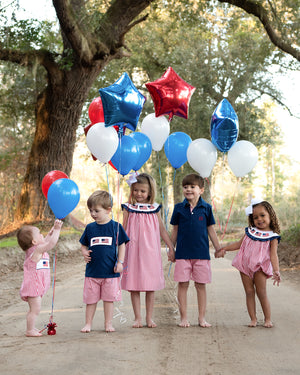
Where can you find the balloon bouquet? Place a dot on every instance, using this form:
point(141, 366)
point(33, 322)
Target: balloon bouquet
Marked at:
point(63, 196)
point(119, 107)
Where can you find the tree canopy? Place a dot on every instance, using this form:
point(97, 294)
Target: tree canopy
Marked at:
point(60, 66)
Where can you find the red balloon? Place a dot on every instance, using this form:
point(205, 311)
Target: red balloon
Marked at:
point(49, 178)
point(171, 95)
point(96, 113)
point(111, 164)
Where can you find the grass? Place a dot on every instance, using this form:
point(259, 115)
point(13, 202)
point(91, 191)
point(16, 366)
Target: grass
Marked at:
point(12, 241)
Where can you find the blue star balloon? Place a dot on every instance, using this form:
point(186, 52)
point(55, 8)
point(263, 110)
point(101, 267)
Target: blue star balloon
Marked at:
point(122, 103)
point(224, 126)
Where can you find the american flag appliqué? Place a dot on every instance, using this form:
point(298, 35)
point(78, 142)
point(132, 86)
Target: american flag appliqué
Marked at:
point(101, 241)
point(43, 264)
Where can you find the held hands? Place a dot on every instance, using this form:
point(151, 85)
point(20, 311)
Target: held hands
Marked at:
point(171, 255)
point(276, 277)
point(220, 253)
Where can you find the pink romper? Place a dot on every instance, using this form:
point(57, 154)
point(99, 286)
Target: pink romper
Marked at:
point(143, 270)
point(36, 280)
point(254, 254)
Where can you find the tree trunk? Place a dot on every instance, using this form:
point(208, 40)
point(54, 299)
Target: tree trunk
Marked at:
point(58, 111)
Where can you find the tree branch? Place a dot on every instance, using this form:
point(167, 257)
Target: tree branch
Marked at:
point(70, 28)
point(256, 8)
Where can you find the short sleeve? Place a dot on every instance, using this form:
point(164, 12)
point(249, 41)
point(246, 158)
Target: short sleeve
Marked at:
point(175, 216)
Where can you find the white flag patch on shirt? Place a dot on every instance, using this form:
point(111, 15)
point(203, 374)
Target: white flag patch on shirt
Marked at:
point(43, 264)
point(101, 241)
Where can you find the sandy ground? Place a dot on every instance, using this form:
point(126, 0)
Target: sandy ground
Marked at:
point(228, 347)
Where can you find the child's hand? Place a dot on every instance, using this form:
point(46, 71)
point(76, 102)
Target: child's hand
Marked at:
point(57, 224)
point(171, 255)
point(118, 267)
point(86, 254)
point(220, 253)
point(276, 277)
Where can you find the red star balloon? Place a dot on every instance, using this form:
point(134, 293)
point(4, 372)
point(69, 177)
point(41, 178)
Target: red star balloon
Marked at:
point(171, 95)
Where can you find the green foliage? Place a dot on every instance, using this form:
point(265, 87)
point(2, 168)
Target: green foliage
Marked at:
point(292, 235)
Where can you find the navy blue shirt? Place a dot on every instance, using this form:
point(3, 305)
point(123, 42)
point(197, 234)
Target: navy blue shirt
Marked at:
point(102, 240)
point(192, 237)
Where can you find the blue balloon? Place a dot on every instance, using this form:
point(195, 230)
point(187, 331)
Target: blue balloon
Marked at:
point(63, 196)
point(176, 147)
point(144, 148)
point(126, 156)
point(224, 126)
point(122, 103)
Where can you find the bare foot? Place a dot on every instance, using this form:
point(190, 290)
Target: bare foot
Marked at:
point(184, 324)
point(137, 324)
point(109, 327)
point(86, 329)
point(204, 324)
point(252, 324)
point(151, 324)
point(268, 324)
point(33, 333)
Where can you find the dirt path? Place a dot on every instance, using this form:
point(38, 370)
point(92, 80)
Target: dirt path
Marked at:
point(229, 347)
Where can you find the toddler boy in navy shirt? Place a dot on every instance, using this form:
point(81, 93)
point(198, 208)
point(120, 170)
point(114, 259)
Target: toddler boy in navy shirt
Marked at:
point(103, 248)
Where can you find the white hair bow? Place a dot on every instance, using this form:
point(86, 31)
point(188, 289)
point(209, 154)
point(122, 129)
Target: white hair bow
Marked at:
point(254, 201)
point(132, 178)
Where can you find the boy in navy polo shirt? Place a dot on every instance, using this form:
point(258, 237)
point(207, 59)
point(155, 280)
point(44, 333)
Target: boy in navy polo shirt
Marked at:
point(103, 248)
point(193, 222)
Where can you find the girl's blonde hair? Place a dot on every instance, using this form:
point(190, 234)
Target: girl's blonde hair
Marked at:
point(274, 222)
point(146, 179)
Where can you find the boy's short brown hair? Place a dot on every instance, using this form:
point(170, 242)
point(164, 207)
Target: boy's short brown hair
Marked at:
point(193, 179)
point(100, 198)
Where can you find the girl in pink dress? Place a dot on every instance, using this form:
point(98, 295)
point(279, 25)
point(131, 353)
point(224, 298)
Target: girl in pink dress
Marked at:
point(143, 271)
point(36, 280)
point(257, 258)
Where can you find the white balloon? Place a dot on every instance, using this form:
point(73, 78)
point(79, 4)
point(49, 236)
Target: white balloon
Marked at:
point(202, 156)
point(242, 158)
point(102, 141)
point(157, 129)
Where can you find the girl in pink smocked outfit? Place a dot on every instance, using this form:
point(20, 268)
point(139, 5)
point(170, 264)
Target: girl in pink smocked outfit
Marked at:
point(36, 267)
point(143, 271)
point(257, 258)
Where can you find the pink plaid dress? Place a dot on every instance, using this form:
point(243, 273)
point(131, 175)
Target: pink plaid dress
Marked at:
point(143, 270)
point(36, 280)
point(254, 254)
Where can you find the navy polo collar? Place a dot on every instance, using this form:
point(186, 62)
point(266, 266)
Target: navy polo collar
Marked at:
point(200, 202)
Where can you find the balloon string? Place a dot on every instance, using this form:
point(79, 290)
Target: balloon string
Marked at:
point(53, 286)
point(213, 202)
point(235, 190)
point(108, 187)
point(161, 184)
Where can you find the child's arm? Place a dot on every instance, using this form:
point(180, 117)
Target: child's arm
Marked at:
point(275, 262)
point(125, 219)
point(173, 237)
point(214, 239)
point(233, 246)
point(165, 236)
point(51, 239)
point(86, 253)
point(121, 255)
